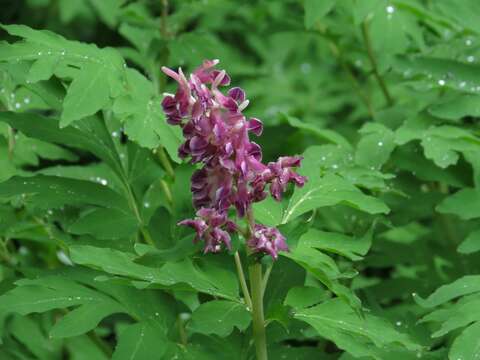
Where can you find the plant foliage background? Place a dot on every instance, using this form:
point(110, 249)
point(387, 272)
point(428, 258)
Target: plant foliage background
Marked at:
point(380, 96)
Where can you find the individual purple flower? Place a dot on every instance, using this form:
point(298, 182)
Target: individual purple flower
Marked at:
point(213, 227)
point(231, 171)
point(279, 174)
point(268, 240)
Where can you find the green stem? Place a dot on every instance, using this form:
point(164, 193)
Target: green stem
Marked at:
point(266, 277)
point(373, 62)
point(243, 282)
point(181, 331)
point(5, 253)
point(133, 204)
point(259, 335)
point(11, 142)
point(164, 160)
point(256, 288)
point(338, 54)
point(166, 191)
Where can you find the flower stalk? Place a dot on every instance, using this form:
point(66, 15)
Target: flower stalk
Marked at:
point(231, 175)
point(256, 287)
point(258, 320)
point(243, 282)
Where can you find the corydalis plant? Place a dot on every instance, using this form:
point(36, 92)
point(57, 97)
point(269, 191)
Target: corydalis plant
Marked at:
point(217, 136)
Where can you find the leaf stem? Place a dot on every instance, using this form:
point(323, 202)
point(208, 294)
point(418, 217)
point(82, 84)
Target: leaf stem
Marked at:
point(5, 253)
point(373, 62)
point(11, 142)
point(256, 288)
point(181, 331)
point(133, 204)
point(266, 276)
point(164, 160)
point(338, 54)
point(259, 335)
point(243, 282)
point(166, 191)
point(163, 19)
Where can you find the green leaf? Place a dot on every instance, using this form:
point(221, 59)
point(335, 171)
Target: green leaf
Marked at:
point(268, 212)
point(464, 203)
point(353, 248)
point(83, 348)
point(466, 345)
point(140, 341)
point(183, 275)
point(305, 296)
point(315, 10)
point(83, 319)
point(323, 268)
point(86, 95)
point(47, 129)
point(106, 224)
point(53, 192)
point(468, 284)
point(42, 69)
point(375, 146)
point(437, 72)
point(29, 333)
point(336, 321)
point(144, 119)
point(47, 293)
point(329, 190)
point(323, 134)
point(96, 74)
point(457, 108)
point(471, 244)
point(442, 144)
point(108, 10)
point(220, 318)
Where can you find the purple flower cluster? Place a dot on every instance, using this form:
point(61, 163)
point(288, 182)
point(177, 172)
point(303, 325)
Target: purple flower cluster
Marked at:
point(217, 137)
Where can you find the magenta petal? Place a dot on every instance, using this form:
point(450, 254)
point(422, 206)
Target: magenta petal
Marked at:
point(255, 126)
point(237, 94)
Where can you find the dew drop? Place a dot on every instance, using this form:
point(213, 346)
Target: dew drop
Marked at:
point(26, 100)
point(470, 58)
point(380, 143)
point(468, 42)
point(114, 134)
point(103, 182)
point(390, 9)
point(441, 82)
point(17, 105)
point(146, 204)
point(462, 84)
